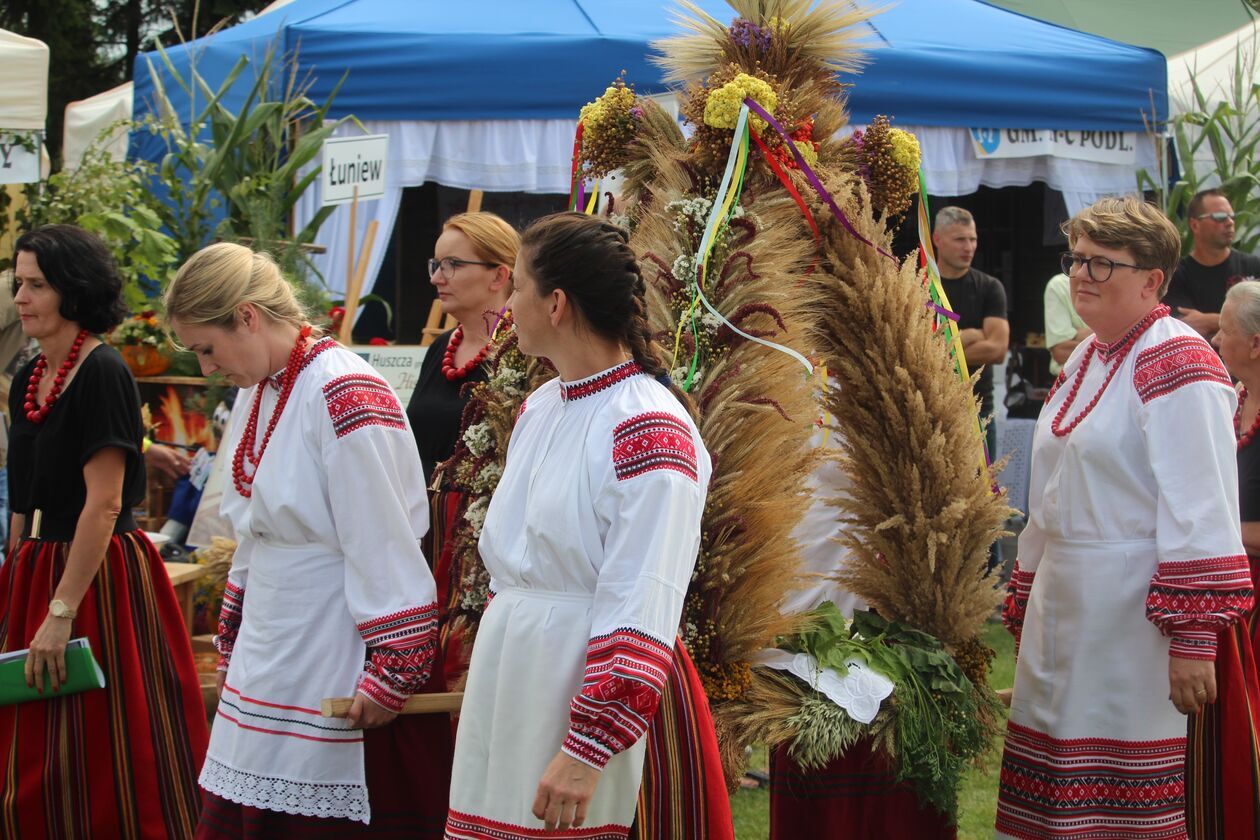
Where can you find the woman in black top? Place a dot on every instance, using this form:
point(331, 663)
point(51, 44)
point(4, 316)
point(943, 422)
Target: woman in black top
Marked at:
point(472, 272)
point(1222, 790)
point(122, 761)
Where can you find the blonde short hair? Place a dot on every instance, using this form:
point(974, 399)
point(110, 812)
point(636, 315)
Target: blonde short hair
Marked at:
point(217, 279)
point(493, 239)
point(1133, 225)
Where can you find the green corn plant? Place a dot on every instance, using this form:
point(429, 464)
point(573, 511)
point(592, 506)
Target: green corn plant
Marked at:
point(1229, 129)
point(254, 162)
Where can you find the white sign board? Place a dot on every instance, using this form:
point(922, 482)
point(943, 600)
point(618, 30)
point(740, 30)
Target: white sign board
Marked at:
point(399, 365)
point(1098, 146)
point(17, 164)
point(350, 162)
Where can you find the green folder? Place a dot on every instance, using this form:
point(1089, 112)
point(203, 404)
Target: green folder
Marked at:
point(83, 673)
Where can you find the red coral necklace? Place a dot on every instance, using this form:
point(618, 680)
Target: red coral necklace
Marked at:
point(1244, 439)
point(452, 373)
point(1119, 355)
point(245, 448)
point(34, 411)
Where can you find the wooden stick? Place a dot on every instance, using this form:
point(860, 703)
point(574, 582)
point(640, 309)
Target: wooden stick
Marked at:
point(354, 287)
point(474, 201)
point(417, 704)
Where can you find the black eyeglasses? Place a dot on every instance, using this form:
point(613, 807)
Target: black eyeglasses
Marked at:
point(1098, 268)
point(447, 265)
point(1218, 216)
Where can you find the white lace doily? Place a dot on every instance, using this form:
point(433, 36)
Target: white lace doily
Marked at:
point(859, 693)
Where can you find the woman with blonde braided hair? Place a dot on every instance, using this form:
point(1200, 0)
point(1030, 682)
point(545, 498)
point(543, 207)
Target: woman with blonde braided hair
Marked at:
point(590, 541)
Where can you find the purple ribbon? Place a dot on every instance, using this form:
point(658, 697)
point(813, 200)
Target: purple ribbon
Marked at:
point(940, 310)
point(812, 178)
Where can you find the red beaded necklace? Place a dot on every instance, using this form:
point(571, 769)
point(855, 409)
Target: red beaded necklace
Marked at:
point(1116, 353)
point(245, 449)
point(34, 411)
point(449, 370)
point(1244, 439)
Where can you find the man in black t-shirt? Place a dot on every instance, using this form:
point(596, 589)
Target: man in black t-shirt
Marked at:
point(1212, 266)
point(978, 298)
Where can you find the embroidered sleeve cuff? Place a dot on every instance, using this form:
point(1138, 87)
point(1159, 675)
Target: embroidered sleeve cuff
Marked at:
point(585, 750)
point(380, 694)
point(1193, 644)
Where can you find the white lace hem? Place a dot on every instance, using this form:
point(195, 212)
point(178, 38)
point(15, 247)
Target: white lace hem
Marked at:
point(309, 799)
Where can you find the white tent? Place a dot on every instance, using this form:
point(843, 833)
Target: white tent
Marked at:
point(87, 118)
point(24, 92)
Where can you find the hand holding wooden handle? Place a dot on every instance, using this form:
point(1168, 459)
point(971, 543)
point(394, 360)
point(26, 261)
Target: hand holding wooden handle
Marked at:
point(417, 704)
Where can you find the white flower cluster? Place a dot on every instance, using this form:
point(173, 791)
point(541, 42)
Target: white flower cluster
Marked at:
point(488, 478)
point(684, 271)
point(478, 438)
point(476, 514)
point(508, 381)
point(689, 211)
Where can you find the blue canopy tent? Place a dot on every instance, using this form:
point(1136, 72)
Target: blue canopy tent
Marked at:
point(483, 93)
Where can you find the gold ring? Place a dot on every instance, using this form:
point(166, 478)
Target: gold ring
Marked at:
point(1201, 692)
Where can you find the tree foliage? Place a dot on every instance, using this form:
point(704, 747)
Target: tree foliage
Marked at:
point(93, 44)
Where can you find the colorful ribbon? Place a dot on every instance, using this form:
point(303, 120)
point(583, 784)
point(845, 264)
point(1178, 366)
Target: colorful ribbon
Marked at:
point(719, 216)
point(575, 173)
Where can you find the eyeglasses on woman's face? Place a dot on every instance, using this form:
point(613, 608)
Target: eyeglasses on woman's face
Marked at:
point(448, 266)
point(1098, 268)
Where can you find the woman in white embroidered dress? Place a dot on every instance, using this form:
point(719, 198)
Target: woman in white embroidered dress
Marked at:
point(590, 540)
point(1131, 561)
point(329, 594)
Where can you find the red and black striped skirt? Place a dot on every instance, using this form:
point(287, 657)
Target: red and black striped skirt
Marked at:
point(117, 762)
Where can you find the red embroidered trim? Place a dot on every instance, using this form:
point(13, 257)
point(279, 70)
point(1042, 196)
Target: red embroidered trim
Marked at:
point(1169, 365)
point(653, 441)
point(625, 674)
point(357, 400)
point(599, 383)
point(1244, 438)
point(229, 623)
point(461, 826)
point(1090, 787)
point(401, 650)
point(521, 410)
point(1193, 600)
point(1016, 605)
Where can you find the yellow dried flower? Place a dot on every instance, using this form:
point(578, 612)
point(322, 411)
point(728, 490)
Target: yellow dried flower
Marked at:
point(806, 148)
point(722, 108)
point(905, 149)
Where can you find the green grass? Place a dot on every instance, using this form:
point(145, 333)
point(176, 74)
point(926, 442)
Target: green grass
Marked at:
point(977, 796)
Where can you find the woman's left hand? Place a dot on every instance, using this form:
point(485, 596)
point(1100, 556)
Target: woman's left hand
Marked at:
point(565, 790)
point(48, 652)
point(1192, 683)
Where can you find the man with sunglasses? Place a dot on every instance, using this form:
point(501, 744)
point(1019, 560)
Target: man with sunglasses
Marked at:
point(1212, 266)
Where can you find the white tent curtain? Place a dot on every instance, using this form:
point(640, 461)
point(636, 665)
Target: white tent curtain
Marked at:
point(950, 167)
point(494, 155)
point(534, 156)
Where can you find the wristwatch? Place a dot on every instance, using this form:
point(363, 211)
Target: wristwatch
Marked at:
point(58, 609)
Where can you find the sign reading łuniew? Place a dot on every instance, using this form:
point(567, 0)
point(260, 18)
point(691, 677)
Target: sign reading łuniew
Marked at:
point(354, 164)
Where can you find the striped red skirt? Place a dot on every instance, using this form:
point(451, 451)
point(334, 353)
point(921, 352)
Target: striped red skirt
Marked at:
point(117, 762)
point(1223, 744)
point(855, 795)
